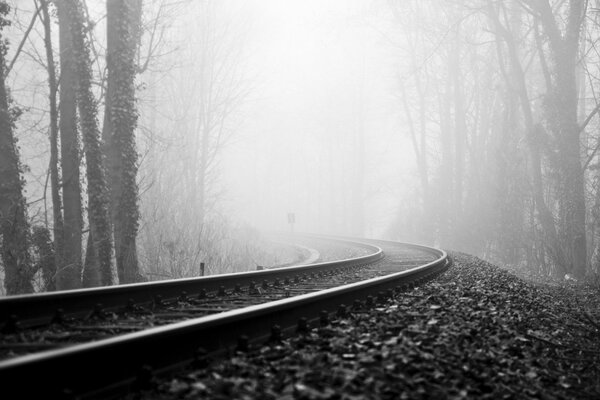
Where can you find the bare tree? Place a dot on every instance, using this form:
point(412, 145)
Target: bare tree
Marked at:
point(57, 212)
point(561, 114)
point(13, 219)
point(69, 273)
point(98, 271)
point(566, 240)
point(205, 98)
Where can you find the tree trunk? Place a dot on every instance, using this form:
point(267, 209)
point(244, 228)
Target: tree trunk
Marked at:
point(98, 199)
point(571, 193)
point(445, 219)
point(123, 20)
point(561, 106)
point(358, 187)
point(202, 188)
point(69, 273)
point(510, 216)
point(460, 134)
point(419, 145)
point(18, 272)
point(46, 256)
point(54, 175)
point(595, 261)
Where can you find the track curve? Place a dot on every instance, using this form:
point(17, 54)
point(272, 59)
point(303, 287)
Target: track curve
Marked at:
point(167, 347)
point(41, 308)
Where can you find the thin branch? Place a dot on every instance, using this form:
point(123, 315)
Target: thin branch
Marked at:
point(589, 117)
point(27, 32)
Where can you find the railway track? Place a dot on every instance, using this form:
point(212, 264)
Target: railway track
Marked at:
point(38, 310)
point(185, 320)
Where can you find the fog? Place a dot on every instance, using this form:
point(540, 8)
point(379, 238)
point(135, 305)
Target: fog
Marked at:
point(470, 125)
point(317, 133)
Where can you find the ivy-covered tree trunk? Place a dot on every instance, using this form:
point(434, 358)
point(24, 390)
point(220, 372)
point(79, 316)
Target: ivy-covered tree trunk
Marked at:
point(18, 272)
point(46, 257)
point(98, 201)
point(69, 272)
point(120, 119)
point(561, 107)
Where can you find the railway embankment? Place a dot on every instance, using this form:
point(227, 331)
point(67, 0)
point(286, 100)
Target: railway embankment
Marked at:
point(475, 332)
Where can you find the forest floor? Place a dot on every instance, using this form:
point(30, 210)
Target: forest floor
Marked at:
point(475, 332)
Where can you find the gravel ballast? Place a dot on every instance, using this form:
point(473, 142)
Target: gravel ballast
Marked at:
point(474, 332)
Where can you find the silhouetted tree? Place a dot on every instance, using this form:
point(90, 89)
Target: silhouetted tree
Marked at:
point(57, 212)
point(18, 271)
point(98, 269)
point(123, 20)
point(561, 107)
point(69, 273)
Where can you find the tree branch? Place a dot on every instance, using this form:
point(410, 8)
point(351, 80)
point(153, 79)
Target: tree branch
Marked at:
point(27, 32)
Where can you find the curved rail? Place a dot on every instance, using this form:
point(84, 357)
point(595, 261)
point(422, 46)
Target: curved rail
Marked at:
point(40, 308)
point(166, 347)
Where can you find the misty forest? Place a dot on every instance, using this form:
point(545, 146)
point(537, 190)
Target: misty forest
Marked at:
point(141, 138)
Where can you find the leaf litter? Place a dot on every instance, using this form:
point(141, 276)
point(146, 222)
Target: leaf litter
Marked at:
point(476, 332)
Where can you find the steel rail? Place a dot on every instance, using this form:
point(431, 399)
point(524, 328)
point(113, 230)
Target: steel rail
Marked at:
point(40, 308)
point(105, 368)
